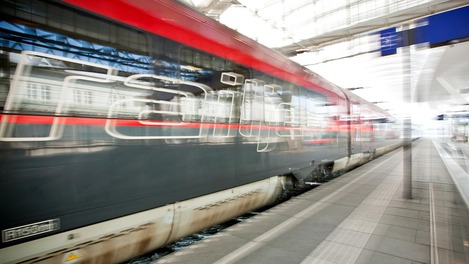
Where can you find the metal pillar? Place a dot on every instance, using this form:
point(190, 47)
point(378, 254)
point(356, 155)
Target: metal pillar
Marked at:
point(407, 122)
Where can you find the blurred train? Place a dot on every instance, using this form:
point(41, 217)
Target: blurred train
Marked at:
point(126, 125)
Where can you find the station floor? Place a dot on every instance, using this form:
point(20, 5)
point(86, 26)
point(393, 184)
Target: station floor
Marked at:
point(360, 217)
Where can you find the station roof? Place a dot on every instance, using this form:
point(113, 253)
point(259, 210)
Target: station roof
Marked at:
point(333, 38)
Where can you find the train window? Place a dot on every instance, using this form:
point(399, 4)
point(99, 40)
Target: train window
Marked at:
point(79, 45)
point(62, 20)
point(67, 61)
point(21, 37)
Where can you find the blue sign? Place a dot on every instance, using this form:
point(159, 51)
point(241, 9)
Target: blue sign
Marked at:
point(447, 26)
point(436, 30)
point(389, 41)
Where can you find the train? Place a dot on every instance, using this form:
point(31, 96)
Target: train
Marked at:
point(126, 125)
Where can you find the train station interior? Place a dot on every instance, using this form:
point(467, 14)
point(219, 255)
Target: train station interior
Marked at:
point(234, 131)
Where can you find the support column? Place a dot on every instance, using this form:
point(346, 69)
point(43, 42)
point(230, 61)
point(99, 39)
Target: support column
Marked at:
point(407, 122)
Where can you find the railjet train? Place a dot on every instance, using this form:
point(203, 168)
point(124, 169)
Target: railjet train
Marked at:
point(128, 124)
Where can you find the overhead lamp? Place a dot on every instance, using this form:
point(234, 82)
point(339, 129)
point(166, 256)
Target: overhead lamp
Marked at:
point(354, 88)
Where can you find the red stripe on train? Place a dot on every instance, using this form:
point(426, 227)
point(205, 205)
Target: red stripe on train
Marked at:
point(86, 121)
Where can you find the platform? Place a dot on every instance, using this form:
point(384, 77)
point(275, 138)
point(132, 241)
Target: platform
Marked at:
point(359, 217)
